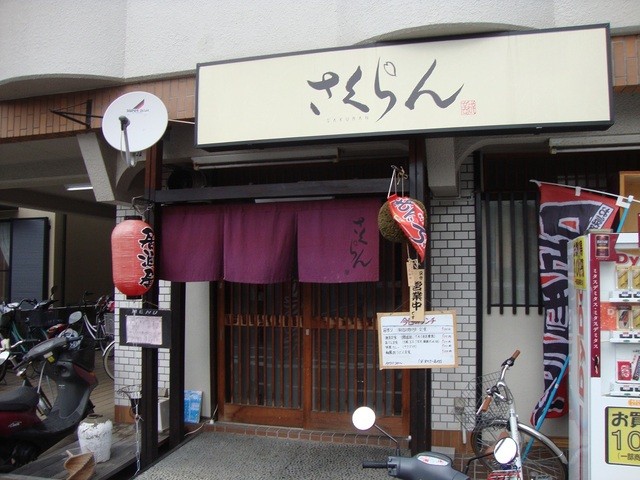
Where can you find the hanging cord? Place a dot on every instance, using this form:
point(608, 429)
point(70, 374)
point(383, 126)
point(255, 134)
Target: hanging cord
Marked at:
point(142, 206)
point(138, 419)
point(397, 177)
point(151, 304)
point(133, 393)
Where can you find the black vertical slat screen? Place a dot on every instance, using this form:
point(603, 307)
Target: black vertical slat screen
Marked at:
point(500, 254)
point(506, 181)
point(514, 260)
point(488, 252)
point(29, 258)
point(526, 266)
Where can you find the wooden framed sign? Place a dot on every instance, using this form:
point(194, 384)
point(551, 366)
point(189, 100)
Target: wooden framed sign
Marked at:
point(428, 344)
point(145, 327)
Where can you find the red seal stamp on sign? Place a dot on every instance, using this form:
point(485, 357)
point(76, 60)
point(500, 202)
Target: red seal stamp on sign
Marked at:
point(468, 107)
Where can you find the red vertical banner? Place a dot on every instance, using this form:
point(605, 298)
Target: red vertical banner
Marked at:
point(565, 213)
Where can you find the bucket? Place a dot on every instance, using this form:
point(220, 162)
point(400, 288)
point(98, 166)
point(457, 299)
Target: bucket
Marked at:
point(94, 435)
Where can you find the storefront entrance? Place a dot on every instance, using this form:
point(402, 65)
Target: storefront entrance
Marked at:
point(306, 355)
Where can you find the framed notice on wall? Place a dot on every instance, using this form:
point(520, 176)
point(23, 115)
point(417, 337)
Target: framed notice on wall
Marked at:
point(428, 344)
point(145, 327)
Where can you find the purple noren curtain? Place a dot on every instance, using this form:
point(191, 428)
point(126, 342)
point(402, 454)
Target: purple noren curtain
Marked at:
point(337, 242)
point(259, 243)
point(191, 243)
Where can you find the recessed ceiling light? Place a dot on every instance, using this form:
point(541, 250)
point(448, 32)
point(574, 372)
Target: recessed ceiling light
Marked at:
point(78, 186)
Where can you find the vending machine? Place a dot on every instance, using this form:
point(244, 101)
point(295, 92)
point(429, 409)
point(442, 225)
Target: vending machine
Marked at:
point(604, 349)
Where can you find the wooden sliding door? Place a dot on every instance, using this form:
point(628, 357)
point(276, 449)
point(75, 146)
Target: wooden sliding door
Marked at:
point(306, 355)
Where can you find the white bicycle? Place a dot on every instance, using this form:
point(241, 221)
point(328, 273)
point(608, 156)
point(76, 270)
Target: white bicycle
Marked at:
point(101, 330)
point(495, 418)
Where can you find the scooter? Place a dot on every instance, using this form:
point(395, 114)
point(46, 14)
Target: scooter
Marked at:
point(24, 435)
point(425, 465)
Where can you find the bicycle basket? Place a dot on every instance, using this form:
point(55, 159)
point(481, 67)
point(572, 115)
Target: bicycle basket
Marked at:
point(503, 475)
point(109, 323)
point(472, 398)
point(39, 318)
point(84, 355)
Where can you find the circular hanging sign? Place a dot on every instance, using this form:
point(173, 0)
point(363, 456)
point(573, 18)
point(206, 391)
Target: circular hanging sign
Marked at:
point(143, 114)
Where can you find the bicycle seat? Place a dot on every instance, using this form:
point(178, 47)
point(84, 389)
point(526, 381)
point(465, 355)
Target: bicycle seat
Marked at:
point(19, 399)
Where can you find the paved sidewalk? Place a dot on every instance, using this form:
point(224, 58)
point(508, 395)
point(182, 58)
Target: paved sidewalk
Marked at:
point(225, 456)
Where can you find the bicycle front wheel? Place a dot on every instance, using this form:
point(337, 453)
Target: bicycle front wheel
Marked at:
point(108, 359)
point(540, 457)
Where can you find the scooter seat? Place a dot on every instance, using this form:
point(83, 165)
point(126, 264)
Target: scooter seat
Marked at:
point(19, 399)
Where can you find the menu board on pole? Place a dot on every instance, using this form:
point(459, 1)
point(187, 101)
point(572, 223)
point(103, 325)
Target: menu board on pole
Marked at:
point(428, 344)
point(145, 327)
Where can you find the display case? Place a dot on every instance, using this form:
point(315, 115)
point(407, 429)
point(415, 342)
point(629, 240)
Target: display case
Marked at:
point(604, 371)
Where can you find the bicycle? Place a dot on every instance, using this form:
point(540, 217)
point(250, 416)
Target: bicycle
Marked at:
point(494, 417)
point(20, 333)
point(98, 329)
point(101, 330)
point(108, 359)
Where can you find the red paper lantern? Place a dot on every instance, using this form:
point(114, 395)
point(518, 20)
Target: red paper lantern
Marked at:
point(132, 254)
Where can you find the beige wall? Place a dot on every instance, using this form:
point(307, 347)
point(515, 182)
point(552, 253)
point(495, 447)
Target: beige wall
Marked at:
point(87, 257)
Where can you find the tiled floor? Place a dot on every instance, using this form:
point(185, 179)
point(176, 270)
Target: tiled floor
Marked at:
point(103, 399)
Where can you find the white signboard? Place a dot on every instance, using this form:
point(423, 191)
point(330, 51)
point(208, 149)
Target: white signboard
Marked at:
point(407, 344)
point(147, 330)
point(534, 81)
point(145, 327)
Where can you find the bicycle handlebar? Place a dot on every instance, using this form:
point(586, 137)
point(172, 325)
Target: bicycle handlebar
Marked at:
point(485, 404)
point(24, 341)
point(16, 305)
point(512, 359)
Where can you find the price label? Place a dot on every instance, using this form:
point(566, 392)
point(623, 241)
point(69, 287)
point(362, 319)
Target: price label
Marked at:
point(623, 436)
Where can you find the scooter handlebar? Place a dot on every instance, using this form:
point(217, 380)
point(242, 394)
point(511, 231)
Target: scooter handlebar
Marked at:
point(425, 465)
point(45, 348)
point(374, 464)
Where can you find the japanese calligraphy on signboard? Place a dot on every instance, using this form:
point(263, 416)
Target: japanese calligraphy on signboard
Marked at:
point(428, 344)
point(514, 80)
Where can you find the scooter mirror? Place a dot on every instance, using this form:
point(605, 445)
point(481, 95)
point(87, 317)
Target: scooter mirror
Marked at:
point(505, 450)
point(75, 317)
point(363, 418)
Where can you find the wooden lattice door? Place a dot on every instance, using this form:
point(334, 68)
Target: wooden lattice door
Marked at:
point(305, 355)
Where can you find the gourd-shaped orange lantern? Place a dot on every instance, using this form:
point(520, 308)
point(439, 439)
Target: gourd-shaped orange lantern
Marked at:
point(132, 256)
